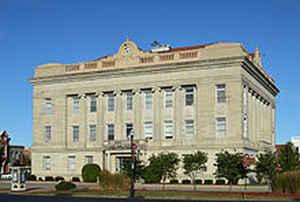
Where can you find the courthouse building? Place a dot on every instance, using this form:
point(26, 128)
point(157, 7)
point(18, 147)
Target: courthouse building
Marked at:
point(212, 98)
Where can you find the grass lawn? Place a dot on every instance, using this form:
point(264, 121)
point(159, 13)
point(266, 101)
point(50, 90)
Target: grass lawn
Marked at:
point(161, 195)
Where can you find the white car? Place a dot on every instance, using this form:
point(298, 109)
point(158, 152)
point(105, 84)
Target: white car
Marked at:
point(6, 176)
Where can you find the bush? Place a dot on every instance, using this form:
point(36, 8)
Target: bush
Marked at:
point(287, 182)
point(31, 178)
point(41, 179)
point(208, 181)
point(174, 181)
point(62, 186)
point(113, 182)
point(220, 181)
point(59, 178)
point(150, 176)
point(49, 178)
point(198, 181)
point(90, 172)
point(186, 181)
point(75, 179)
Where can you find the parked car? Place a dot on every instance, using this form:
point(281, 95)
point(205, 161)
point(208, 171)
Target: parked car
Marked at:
point(6, 176)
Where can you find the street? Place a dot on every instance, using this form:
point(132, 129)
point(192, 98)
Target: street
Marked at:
point(23, 198)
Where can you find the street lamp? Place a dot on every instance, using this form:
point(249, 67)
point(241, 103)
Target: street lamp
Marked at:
point(132, 147)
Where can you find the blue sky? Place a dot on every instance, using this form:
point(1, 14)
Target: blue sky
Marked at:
point(34, 32)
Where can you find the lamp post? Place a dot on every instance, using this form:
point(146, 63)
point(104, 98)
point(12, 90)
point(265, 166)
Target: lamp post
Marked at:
point(132, 147)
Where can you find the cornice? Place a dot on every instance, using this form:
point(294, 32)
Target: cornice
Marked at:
point(138, 70)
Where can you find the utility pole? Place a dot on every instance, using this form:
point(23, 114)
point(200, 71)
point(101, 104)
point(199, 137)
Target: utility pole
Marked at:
point(132, 176)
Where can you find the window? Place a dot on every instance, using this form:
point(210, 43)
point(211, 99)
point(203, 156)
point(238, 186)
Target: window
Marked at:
point(129, 127)
point(92, 137)
point(93, 103)
point(71, 163)
point(168, 129)
point(48, 106)
point(76, 102)
point(221, 127)
point(148, 100)
point(89, 159)
point(221, 95)
point(47, 134)
point(189, 96)
point(75, 133)
point(129, 101)
point(110, 132)
point(110, 103)
point(148, 130)
point(189, 128)
point(46, 163)
point(168, 99)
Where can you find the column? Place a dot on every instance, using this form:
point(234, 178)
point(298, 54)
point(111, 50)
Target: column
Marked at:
point(178, 112)
point(156, 115)
point(83, 133)
point(119, 132)
point(100, 119)
point(137, 114)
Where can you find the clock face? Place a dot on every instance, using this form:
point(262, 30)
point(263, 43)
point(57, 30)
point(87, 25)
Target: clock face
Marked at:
point(126, 49)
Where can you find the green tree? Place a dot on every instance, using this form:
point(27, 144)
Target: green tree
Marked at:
point(139, 168)
point(194, 163)
point(230, 166)
point(289, 158)
point(266, 167)
point(162, 166)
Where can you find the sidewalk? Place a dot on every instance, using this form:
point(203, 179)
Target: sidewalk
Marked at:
point(40, 186)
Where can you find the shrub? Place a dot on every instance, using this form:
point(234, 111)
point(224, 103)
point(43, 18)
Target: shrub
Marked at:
point(198, 181)
point(287, 182)
point(174, 181)
point(31, 178)
point(114, 182)
point(186, 181)
point(208, 181)
point(59, 178)
point(90, 172)
point(65, 186)
point(220, 181)
point(49, 178)
point(41, 179)
point(75, 179)
point(150, 176)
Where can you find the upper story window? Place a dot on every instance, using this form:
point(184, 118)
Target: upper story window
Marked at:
point(110, 131)
point(48, 106)
point(168, 129)
point(221, 127)
point(46, 163)
point(168, 99)
point(221, 93)
point(148, 130)
point(75, 133)
point(148, 100)
point(129, 101)
point(76, 105)
point(92, 133)
point(129, 128)
point(47, 134)
point(110, 103)
point(71, 163)
point(89, 159)
point(189, 128)
point(93, 103)
point(189, 96)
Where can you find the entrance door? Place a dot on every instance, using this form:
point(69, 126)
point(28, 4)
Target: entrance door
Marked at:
point(121, 163)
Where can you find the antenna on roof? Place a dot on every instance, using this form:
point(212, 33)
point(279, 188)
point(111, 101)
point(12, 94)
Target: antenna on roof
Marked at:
point(155, 44)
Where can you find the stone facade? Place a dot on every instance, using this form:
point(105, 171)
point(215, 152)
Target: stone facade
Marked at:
point(211, 98)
